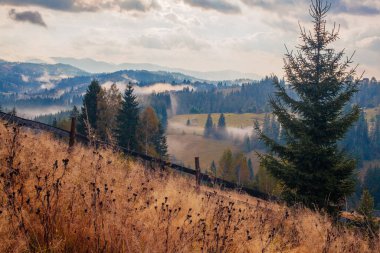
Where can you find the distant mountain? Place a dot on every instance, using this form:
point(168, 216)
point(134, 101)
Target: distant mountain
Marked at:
point(94, 66)
point(31, 77)
point(54, 80)
point(139, 77)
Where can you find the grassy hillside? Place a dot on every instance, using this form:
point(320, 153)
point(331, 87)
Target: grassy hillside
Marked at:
point(86, 200)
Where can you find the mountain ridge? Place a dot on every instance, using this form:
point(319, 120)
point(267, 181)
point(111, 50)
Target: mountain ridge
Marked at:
point(94, 66)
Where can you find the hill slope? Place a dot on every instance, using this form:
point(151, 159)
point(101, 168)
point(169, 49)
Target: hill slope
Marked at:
point(90, 200)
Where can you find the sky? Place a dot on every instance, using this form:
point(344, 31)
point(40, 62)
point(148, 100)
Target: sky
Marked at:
point(203, 35)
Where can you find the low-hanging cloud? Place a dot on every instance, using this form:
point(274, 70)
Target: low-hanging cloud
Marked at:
point(217, 5)
point(33, 17)
point(86, 5)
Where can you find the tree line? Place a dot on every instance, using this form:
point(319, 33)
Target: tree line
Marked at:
point(110, 116)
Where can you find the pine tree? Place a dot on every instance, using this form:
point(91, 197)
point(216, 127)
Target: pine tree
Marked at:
point(366, 208)
point(310, 165)
point(13, 112)
point(371, 182)
point(221, 127)
point(55, 123)
point(87, 122)
point(366, 205)
point(209, 126)
point(213, 168)
point(127, 121)
point(74, 112)
point(160, 142)
point(251, 170)
point(247, 144)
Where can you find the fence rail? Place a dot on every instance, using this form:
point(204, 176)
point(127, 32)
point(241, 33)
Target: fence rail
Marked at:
point(200, 177)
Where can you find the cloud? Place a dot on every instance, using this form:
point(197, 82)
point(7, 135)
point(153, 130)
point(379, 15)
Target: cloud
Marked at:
point(167, 39)
point(87, 5)
point(63, 5)
point(138, 5)
point(33, 17)
point(371, 43)
point(353, 7)
point(217, 5)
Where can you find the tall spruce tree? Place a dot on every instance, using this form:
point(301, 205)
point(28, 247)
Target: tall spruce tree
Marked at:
point(160, 142)
point(127, 121)
point(209, 126)
point(312, 168)
point(221, 127)
point(88, 118)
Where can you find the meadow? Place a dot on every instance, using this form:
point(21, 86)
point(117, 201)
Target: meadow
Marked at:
point(187, 141)
point(55, 199)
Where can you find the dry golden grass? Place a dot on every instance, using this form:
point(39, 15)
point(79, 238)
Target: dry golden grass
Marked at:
point(240, 120)
point(87, 200)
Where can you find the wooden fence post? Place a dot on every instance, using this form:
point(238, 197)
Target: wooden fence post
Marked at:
point(197, 173)
point(72, 132)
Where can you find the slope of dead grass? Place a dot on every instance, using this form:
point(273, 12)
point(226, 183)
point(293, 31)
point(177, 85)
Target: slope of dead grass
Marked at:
point(87, 200)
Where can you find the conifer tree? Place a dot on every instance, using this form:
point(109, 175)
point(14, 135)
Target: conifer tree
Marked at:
point(74, 112)
point(221, 127)
point(250, 168)
point(13, 112)
point(89, 112)
point(312, 168)
point(209, 126)
point(127, 121)
point(160, 142)
point(55, 123)
point(213, 168)
point(247, 144)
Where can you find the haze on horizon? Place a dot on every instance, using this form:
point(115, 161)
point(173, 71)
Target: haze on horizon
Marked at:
point(201, 35)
